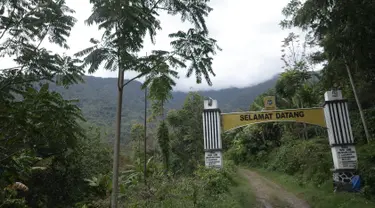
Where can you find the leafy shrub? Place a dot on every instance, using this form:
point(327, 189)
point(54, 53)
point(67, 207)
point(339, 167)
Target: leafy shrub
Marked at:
point(8, 199)
point(366, 163)
point(251, 145)
point(205, 188)
point(58, 180)
point(309, 160)
point(358, 130)
point(215, 181)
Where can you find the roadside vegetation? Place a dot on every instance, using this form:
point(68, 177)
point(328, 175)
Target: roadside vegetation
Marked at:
point(299, 153)
point(51, 156)
point(318, 196)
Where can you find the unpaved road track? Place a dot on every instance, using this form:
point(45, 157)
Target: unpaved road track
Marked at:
point(271, 195)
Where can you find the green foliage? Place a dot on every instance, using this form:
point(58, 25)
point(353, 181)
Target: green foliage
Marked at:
point(66, 173)
point(186, 130)
point(99, 185)
point(41, 136)
point(125, 26)
point(366, 157)
point(320, 197)
point(44, 142)
point(299, 158)
point(282, 149)
point(344, 44)
point(294, 149)
point(164, 143)
point(10, 200)
point(61, 175)
point(252, 143)
point(97, 100)
point(24, 26)
point(294, 54)
point(178, 188)
point(206, 188)
point(341, 40)
point(297, 87)
point(137, 138)
point(41, 115)
point(345, 50)
point(161, 86)
point(358, 131)
point(36, 128)
point(217, 181)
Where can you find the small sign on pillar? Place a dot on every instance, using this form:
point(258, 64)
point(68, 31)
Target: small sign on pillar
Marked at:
point(269, 103)
point(213, 159)
point(344, 157)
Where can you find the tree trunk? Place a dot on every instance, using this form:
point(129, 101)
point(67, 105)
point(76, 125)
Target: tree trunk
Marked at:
point(162, 110)
point(304, 127)
point(358, 103)
point(116, 153)
point(300, 135)
point(305, 131)
point(264, 139)
point(167, 155)
point(145, 139)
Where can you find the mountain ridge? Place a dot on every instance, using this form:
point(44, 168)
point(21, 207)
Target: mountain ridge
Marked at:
point(98, 99)
point(201, 90)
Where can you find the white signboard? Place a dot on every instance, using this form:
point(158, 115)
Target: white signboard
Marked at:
point(344, 157)
point(213, 159)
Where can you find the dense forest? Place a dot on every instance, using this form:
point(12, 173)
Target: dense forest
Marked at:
point(97, 100)
point(55, 151)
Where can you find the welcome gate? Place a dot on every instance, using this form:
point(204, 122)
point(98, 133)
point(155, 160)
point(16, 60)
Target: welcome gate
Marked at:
point(334, 116)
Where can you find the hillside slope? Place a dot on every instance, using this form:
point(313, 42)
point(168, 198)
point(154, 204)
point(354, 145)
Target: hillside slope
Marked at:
point(98, 97)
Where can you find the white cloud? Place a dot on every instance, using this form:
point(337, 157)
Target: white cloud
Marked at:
point(247, 30)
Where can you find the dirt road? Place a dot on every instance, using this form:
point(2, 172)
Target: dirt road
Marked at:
point(271, 195)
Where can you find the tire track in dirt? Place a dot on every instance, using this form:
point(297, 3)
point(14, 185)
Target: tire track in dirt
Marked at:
point(270, 194)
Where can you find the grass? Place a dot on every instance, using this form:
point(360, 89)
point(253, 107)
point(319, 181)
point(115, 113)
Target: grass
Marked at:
point(318, 197)
point(242, 193)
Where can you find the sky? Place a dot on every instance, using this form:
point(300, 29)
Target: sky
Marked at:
point(248, 31)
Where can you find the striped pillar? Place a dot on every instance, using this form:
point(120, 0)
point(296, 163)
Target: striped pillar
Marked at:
point(341, 139)
point(212, 134)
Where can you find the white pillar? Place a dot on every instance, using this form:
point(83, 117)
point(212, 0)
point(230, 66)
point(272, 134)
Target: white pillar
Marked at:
point(212, 134)
point(340, 138)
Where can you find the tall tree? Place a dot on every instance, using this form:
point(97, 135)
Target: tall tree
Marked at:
point(186, 127)
point(344, 30)
point(164, 143)
point(160, 91)
point(136, 135)
point(24, 25)
point(297, 86)
point(125, 25)
point(39, 129)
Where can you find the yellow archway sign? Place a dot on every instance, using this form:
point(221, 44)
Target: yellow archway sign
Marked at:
point(313, 116)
